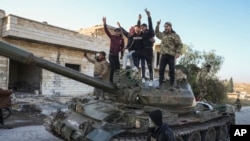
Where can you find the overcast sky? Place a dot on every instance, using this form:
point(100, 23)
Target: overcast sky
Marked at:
point(220, 25)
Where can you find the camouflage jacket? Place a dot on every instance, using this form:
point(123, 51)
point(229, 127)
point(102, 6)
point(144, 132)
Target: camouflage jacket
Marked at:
point(202, 77)
point(170, 43)
point(101, 67)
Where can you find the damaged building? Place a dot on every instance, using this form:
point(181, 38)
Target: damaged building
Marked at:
point(52, 43)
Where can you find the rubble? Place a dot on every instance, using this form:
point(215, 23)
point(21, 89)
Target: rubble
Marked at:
point(31, 109)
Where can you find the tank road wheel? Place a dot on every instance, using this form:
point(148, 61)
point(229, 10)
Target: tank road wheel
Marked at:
point(208, 135)
point(222, 133)
point(179, 139)
point(195, 136)
point(6, 112)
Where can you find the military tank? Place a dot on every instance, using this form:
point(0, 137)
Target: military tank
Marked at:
point(123, 113)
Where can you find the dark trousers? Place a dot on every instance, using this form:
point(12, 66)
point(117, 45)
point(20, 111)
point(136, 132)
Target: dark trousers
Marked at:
point(1, 116)
point(148, 55)
point(114, 65)
point(138, 57)
point(167, 59)
point(144, 55)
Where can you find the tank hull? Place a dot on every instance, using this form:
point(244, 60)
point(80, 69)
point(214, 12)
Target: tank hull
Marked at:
point(105, 120)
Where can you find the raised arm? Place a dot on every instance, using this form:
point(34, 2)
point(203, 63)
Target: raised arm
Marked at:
point(157, 32)
point(105, 27)
point(123, 30)
point(122, 48)
point(88, 58)
point(150, 25)
point(139, 20)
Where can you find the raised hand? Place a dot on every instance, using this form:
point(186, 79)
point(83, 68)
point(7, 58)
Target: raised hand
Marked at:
point(159, 22)
point(147, 12)
point(139, 17)
point(104, 20)
point(118, 24)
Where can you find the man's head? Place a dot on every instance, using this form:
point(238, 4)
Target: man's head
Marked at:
point(132, 30)
point(156, 117)
point(137, 29)
point(144, 27)
point(208, 66)
point(101, 56)
point(118, 32)
point(168, 27)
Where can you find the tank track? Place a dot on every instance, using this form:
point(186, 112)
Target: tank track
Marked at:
point(181, 130)
point(198, 127)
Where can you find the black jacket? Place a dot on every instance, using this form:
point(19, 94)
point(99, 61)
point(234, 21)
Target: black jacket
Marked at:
point(147, 34)
point(130, 43)
point(162, 133)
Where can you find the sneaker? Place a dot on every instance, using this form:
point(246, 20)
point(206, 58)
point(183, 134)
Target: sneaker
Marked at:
point(159, 87)
point(143, 80)
point(171, 88)
point(135, 69)
point(150, 83)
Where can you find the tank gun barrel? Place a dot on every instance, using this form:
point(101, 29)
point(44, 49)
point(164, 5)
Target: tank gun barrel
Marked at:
point(25, 57)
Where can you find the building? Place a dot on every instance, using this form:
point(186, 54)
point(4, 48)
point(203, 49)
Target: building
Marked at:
point(55, 44)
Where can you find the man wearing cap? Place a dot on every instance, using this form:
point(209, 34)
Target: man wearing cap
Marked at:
point(100, 69)
point(171, 46)
point(201, 81)
point(158, 130)
point(116, 46)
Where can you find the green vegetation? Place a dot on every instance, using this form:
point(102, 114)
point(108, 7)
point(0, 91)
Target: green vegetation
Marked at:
point(193, 61)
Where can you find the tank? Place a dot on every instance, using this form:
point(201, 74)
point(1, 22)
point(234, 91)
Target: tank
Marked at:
point(123, 112)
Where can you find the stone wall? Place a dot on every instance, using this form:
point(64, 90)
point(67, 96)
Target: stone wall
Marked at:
point(54, 44)
point(54, 84)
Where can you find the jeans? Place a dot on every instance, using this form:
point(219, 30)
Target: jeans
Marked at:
point(131, 60)
point(170, 60)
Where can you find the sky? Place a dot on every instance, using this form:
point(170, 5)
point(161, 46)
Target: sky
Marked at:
point(206, 25)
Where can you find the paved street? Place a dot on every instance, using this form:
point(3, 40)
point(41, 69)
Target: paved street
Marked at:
point(27, 133)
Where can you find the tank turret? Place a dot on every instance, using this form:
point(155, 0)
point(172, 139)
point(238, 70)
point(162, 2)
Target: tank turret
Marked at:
point(123, 114)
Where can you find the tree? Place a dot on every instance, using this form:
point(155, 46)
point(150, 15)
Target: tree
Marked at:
point(194, 60)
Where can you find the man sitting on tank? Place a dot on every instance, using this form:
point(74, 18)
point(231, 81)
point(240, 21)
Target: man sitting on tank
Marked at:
point(158, 130)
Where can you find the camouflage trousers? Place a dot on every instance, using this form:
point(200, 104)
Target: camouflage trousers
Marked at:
point(203, 92)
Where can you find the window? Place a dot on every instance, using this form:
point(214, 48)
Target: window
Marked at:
point(73, 66)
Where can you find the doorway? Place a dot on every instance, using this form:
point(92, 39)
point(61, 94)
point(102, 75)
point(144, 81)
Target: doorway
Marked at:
point(24, 78)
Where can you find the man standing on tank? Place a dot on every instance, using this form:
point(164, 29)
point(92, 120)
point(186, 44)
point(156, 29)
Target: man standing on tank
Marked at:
point(171, 46)
point(100, 69)
point(116, 46)
point(148, 42)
